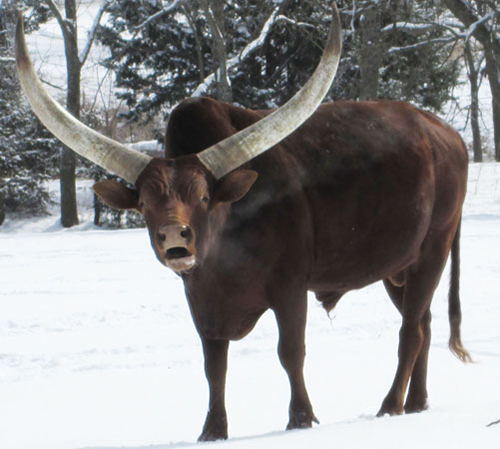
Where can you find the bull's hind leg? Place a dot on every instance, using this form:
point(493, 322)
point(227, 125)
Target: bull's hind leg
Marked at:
point(417, 393)
point(414, 337)
point(416, 400)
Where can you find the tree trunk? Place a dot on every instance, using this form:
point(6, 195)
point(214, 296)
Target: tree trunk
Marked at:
point(2, 209)
point(370, 54)
point(215, 18)
point(473, 74)
point(4, 45)
point(69, 212)
point(493, 71)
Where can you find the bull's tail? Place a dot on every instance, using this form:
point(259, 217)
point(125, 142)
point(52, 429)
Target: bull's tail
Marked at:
point(454, 310)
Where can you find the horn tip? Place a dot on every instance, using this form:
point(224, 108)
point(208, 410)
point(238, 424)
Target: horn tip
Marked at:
point(335, 35)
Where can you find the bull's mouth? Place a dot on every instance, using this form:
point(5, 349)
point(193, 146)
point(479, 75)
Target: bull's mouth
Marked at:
point(179, 259)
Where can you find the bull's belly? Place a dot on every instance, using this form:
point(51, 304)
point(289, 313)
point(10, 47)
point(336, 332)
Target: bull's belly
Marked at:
point(349, 267)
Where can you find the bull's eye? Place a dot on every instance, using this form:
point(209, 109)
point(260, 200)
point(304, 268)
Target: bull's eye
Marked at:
point(204, 199)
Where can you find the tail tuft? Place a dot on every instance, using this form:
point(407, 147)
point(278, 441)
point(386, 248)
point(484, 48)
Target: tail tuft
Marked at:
point(454, 310)
point(457, 348)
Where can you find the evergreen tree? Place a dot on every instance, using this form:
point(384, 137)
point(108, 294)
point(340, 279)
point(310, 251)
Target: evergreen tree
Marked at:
point(156, 64)
point(26, 148)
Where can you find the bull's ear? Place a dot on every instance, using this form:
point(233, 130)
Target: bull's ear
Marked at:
point(234, 186)
point(117, 195)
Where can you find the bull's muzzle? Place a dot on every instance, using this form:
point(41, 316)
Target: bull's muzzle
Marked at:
point(176, 246)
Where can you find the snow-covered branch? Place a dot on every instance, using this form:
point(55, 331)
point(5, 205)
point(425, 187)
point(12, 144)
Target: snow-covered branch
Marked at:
point(294, 22)
point(422, 28)
point(6, 59)
point(91, 35)
point(410, 28)
point(473, 28)
point(443, 40)
point(256, 43)
point(150, 147)
point(259, 41)
point(165, 10)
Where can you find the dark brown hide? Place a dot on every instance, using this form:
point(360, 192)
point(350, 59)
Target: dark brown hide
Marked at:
point(359, 193)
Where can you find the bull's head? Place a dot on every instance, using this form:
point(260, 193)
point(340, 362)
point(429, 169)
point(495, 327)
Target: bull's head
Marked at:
point(180, 200)
point(180, 197)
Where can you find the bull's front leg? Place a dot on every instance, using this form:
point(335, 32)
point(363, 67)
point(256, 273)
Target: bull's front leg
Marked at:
point(215, 352)
point(291, 350)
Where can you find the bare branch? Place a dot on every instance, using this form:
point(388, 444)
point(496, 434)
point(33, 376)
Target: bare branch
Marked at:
point(60, 19)
point(91, 35)
point(53, 86)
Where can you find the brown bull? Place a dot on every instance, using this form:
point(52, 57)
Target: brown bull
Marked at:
point(361, 192)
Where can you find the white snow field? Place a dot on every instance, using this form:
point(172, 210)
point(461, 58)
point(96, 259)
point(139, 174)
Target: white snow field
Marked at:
point(97, 349)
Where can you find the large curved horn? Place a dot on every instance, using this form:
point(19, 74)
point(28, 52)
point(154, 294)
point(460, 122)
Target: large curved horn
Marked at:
point(101, 150)
point(239, 148)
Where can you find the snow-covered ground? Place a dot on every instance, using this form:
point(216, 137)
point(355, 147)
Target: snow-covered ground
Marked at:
point(97, 349)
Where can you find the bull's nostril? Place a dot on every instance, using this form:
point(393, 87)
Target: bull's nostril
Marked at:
point(186, 233)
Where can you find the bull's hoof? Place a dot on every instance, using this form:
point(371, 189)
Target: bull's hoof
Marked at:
point(390, 408)
point(214, 430)
point(213, 435)
point(416, 406)
point(301, 420)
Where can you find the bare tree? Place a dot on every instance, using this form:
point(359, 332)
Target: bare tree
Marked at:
point(74, 64)
point(481, 19)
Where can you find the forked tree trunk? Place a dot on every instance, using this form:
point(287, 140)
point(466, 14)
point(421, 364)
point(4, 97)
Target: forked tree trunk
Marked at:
point(214, 12)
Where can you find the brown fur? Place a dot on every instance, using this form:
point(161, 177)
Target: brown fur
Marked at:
point(361, 192)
